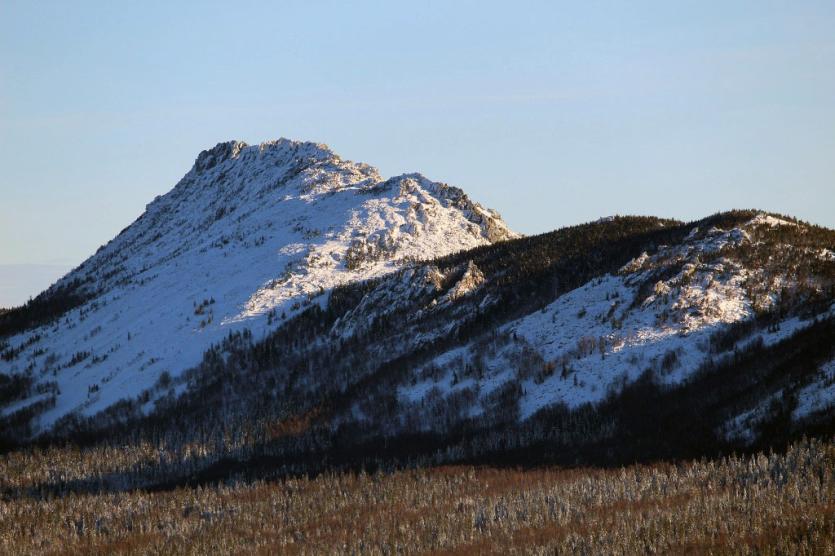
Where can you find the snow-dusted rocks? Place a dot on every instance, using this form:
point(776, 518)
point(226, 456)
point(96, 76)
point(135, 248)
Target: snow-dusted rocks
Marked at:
point(423, 286)
point(469, 281)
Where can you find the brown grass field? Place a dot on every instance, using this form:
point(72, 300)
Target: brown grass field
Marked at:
point(760, 504)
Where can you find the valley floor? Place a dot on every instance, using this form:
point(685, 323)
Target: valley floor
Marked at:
point(765, 503)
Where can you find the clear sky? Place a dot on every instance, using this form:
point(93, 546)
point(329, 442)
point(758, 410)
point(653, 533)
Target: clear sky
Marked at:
point(553, 113)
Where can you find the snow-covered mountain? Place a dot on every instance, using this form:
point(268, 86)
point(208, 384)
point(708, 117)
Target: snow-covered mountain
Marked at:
point(248, 238)
point(283, 302)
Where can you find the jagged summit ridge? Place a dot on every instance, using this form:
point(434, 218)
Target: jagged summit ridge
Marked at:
point(275, 150)
point(220, 152)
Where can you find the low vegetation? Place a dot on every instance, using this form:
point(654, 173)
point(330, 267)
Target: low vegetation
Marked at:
point(763, 503)
point(45, 308)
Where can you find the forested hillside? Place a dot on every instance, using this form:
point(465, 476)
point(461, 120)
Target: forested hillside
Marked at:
point(628, 339)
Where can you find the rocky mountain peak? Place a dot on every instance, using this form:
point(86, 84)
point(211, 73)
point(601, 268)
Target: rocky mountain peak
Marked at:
point(251, 236)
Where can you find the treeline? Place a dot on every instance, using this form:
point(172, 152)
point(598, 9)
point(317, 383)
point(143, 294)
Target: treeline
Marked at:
point(43, 309)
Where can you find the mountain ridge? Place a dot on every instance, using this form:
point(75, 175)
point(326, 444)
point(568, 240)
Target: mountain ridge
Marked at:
point(278, 287)
point(351, 391)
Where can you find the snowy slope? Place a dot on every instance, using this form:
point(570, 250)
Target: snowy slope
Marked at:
point(816, 397)
point(819, 395)
point(248, 237)
point(593, 340)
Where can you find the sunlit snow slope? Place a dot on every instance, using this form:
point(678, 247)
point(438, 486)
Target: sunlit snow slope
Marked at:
point(248, 237)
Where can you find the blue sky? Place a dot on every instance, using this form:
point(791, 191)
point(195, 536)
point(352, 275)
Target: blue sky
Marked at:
point(553, 113)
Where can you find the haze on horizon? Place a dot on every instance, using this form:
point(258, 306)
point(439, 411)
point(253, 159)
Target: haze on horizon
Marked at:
point(551, 113)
